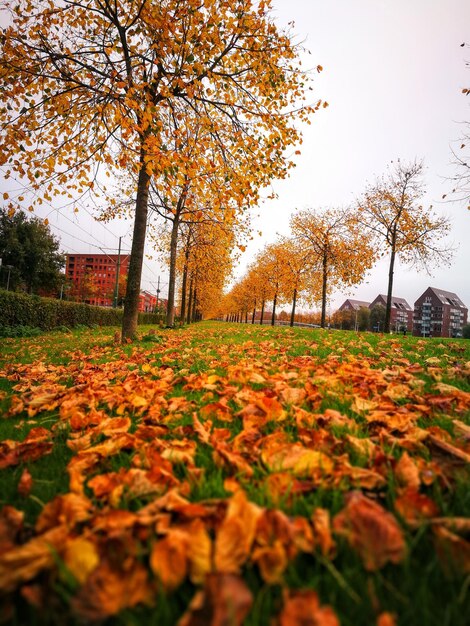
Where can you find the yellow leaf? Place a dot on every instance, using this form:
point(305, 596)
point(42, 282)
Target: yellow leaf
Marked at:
point(81, 558)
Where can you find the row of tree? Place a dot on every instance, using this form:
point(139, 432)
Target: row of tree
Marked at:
point(190, 107)
point(335, 248)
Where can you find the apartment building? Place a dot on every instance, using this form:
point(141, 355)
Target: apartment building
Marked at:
point(401, 313)
point(353, 305)
point(439, 313)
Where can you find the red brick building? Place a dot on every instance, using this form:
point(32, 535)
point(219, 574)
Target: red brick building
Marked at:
point(353, 305)
point(439, 313)
point(147, 302)
point(93, 277)
point(401, 313)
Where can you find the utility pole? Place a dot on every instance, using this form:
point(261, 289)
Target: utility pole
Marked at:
point(158, 292)
point(118, 267)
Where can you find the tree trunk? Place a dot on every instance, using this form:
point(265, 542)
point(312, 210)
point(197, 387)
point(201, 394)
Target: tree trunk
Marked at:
point(134, 275)
point(183, 293)
point(193, 315)
point(262, 313)
point(254, 312)
point(323, 291)
point(170, 310)
point(273, 316)
point(246, 316)
point(292, 313)
point(388, 308)
point(190, 302)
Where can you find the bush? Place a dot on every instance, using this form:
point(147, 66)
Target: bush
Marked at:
point(19, 331)
point(466, 331)
point(19, 309)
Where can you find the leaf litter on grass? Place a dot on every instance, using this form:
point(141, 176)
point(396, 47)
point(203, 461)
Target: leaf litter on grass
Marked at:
point(146, 433)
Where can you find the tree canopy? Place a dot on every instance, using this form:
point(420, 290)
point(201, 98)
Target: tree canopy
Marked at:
point(31, 251)
point(90, 86)
point(338, 250)
point(391, 212)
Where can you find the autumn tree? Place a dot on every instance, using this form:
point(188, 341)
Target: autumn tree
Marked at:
point(391, 212)
point(207, 265)
point(271, 265)
point(88, 86)
point(338, 250)
point(296, 272)
point(31, 251)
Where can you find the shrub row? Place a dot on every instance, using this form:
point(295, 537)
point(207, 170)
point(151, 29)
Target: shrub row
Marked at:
point(19, 309)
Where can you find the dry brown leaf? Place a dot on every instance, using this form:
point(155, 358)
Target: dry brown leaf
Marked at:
point(371, 530)
point(169, 558)
point(25, 483)
point(236, 534)
point(453, 551)
point(302, 608)
point(407, 472)
point(414, 506)
point(22, 563)
point(322, 532)
point(301, 461)
point(224, 601)
point(199, 552)
point(108, 590)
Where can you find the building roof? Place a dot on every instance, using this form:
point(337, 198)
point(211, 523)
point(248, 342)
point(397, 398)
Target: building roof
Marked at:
point(354, 304)
point(397, 303)
point(447, 297)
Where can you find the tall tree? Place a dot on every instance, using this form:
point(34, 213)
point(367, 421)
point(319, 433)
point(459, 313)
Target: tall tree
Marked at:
point(271, 263)
point(87, 85)
point(31, 251)
point(391, 211)
point(338, 250)
point(296, 272)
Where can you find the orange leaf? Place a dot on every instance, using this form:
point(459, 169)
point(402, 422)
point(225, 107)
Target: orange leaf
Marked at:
point(236, 534)
point(25, 483)
point(108, 590)
point(224, 600)
point(168, 559)
point(371, 531)
point(272, 562)
point(302, 608)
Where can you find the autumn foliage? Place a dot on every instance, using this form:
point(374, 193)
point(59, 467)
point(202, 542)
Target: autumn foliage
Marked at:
point(207, 470)
point(197, 101)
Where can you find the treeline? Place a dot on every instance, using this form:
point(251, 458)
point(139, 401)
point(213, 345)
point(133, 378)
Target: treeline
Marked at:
point(335, 248)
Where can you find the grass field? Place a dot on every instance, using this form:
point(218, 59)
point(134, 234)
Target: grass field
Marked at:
point(226, 474)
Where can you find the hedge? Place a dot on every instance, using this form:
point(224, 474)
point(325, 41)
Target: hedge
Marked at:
point(19, 309)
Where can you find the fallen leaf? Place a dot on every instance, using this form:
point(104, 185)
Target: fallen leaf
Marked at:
point(169, 558)
point(371, 531)
point(302, 608)
point(453, 551)
point(25, 483)
point(81, 557)
point(224, 601)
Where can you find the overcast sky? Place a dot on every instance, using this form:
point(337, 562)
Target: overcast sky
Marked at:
point(393, 75)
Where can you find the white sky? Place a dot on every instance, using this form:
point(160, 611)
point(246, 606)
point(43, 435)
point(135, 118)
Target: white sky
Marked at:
point(393, 75)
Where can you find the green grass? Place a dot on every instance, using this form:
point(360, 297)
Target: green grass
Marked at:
point(419, 590)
